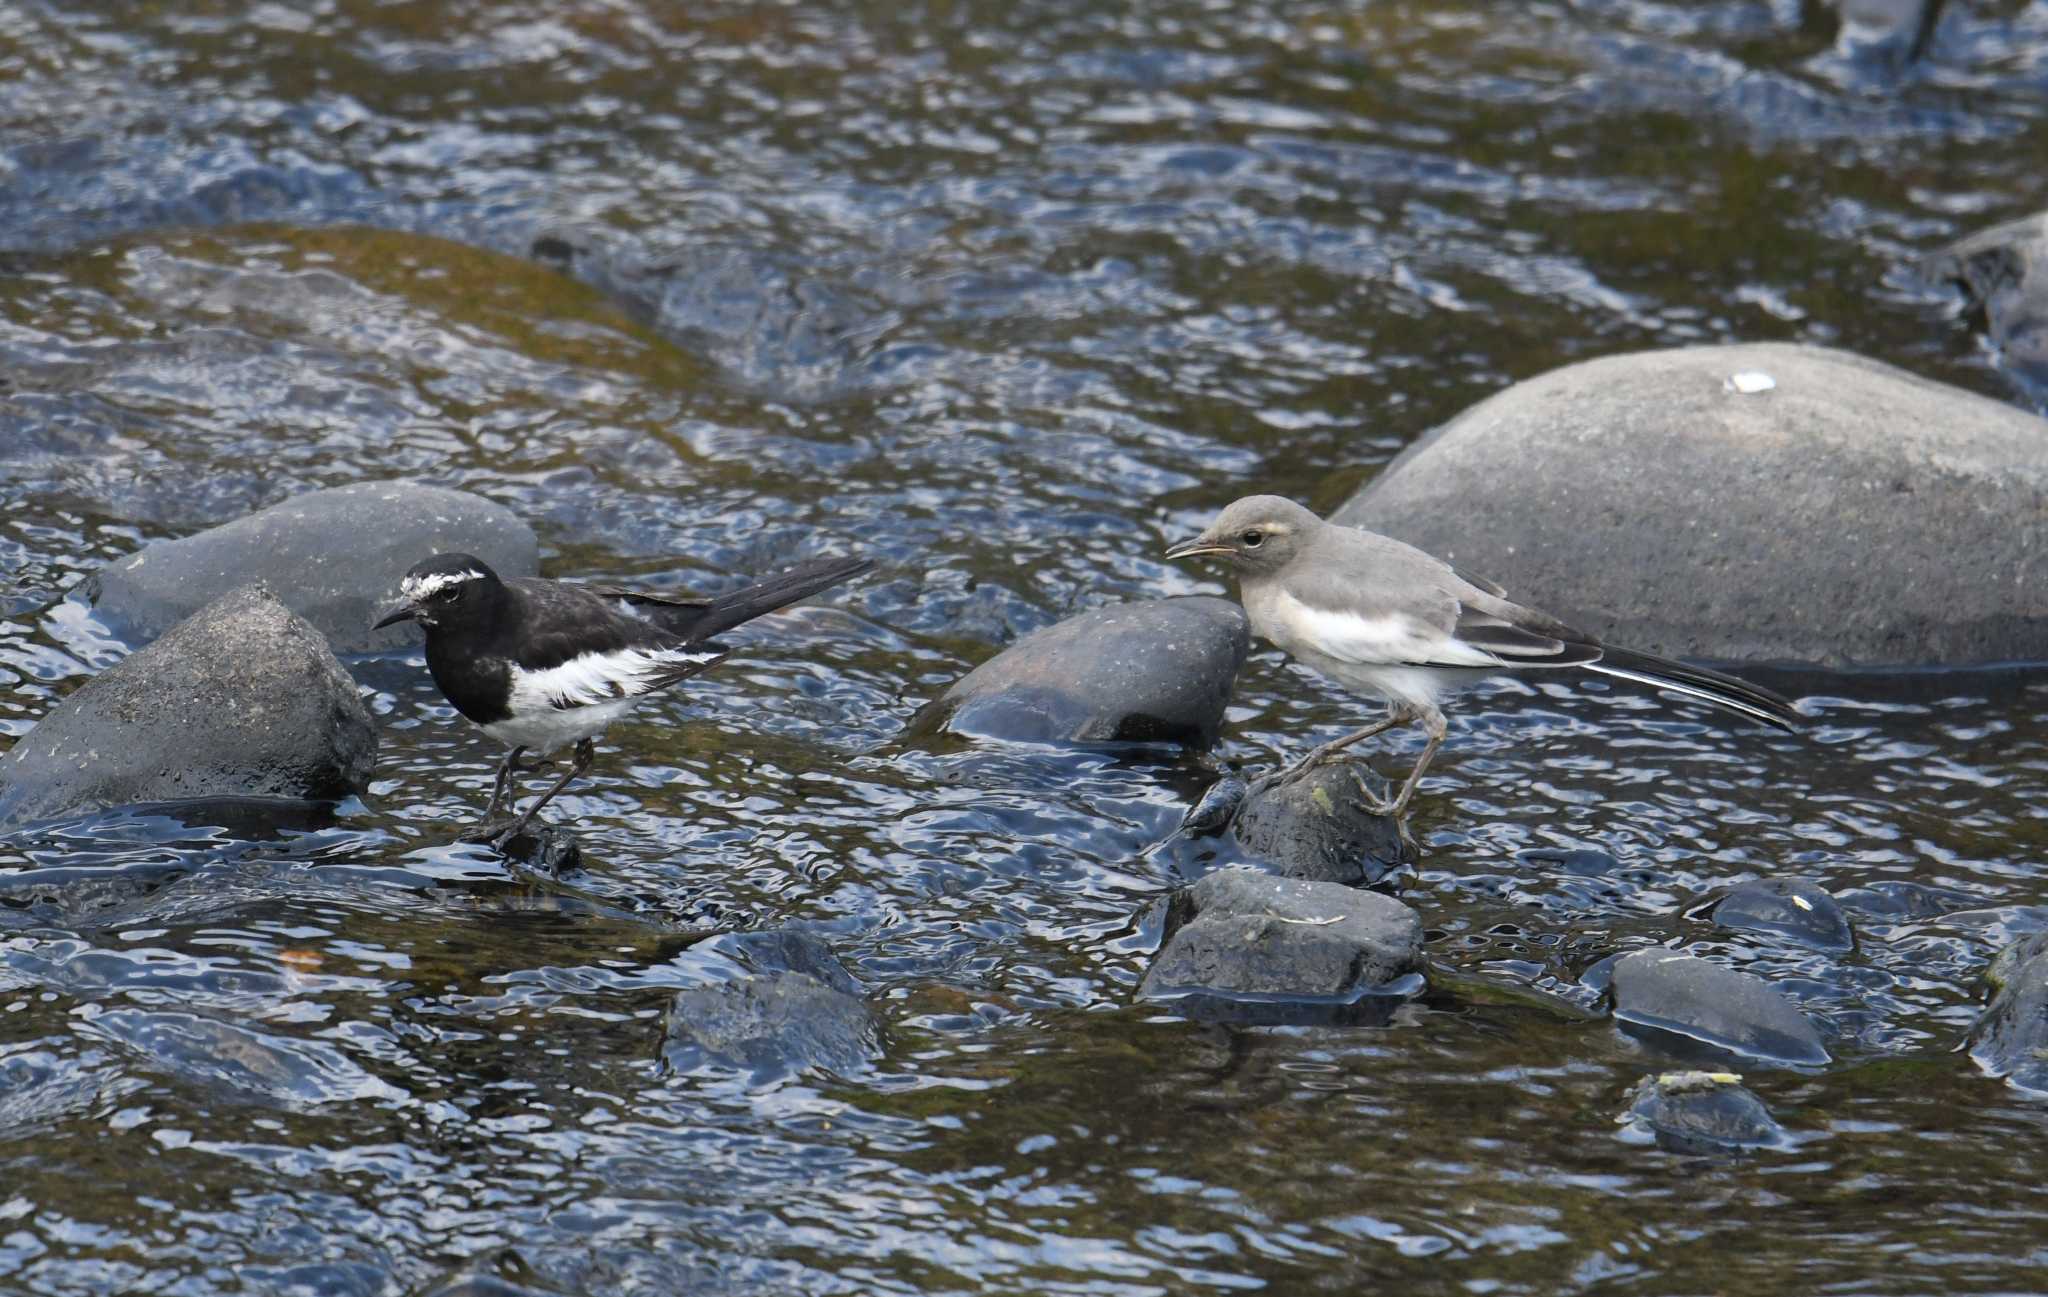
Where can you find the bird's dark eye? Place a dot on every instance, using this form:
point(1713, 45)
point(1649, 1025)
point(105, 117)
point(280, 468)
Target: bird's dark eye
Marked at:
point(446, 594)
point(1253, 539)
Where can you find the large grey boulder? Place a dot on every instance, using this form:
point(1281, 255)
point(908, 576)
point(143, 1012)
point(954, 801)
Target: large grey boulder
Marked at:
point(242, 699)
point(333, 556)
point(1763, 502)
point(1282, 949)
point(1666, 995)
point(1159, 670)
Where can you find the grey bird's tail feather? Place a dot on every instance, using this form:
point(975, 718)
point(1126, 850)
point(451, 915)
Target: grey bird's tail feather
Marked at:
point(1708, 686)
point(726, 611)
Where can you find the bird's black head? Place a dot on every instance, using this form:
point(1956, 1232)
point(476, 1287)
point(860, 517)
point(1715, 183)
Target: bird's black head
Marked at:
point(445, 592)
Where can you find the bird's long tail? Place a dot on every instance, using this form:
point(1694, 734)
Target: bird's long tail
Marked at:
point(1708, 686)
point(779, 591)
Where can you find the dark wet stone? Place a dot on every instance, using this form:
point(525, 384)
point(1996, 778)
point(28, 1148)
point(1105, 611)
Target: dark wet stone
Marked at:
point(2006, 963)
point(1797, 909)
point(1316, 827)
point(1217, 808)
point(278, 1070)
point(1282, 949)
point(785, 950)
point(1701, 1113)
point(1903, 900)
point(771, 1025)
point(1665, 994)
point(333, 556)
point(2011, 1038)
point(2005, 270)
point(1729, 507)
point(241, 700)
point(1585, 862)
point(1160, 670)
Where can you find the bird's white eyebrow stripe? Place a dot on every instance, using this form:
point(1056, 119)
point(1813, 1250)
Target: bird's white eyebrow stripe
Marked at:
point(590, 678)
point(417, 588)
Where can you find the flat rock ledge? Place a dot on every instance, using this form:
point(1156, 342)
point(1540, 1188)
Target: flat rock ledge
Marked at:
point(1250, 947)
point(241, 700)
point(1688, 1005)
point(1155, 671)
point(333, 556)
point(1775, 503)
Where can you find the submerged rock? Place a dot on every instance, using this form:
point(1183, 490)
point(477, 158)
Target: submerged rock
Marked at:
point(1317, 827)
point(2011, 1038)
point(241, 700)
point(334, 557)
point(2005, 270)
point(1797, 909)
point(1253, 947)
point(1700, 1112)
point(1160, 670)
point(1734, 479)
point(1663, 994)
point(770, 1025)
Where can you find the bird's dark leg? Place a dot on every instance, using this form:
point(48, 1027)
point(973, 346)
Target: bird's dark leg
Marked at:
point(1432, 724)
point(586, 752)
point(1396, 715)
point(503, 785)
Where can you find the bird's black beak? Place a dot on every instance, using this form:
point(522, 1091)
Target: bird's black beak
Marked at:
point(397, 613)
point(1197, 547)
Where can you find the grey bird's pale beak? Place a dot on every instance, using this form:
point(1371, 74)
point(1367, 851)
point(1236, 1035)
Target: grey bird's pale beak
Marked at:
point(1198, 546)
point(397, 613)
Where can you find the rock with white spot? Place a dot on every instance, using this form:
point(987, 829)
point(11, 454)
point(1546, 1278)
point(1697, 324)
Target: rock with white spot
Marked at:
point(241, 700)
point(333, 556)
point(1797, 909)
point(1852, 513)
point(1156, 671)
point(1687, 1003)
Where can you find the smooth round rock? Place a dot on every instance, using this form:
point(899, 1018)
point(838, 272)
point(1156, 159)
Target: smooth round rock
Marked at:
point(2011, 1038)
point(334, 557)
point(1774, 503)
point(1157, 671)
point(1797, 909)
point(1661, 991)
point(2005, 270)
point(1701, 1112)
point(1283, 948)
point(242, 699)
point(771, 1025)
point(1317, 827)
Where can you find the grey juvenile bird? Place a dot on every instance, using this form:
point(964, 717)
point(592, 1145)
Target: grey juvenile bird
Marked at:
point(1382, 617)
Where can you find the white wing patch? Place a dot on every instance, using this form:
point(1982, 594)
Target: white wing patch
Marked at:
point(1386, 640)
point(418, 589)
point(592, 678)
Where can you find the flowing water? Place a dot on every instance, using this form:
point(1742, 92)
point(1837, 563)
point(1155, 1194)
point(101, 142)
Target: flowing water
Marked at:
point(1006, 296)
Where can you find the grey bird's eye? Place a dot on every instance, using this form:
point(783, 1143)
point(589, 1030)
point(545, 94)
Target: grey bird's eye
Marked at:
point(1253, 539)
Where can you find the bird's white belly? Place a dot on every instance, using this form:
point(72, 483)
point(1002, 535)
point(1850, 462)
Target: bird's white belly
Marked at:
point(544, 731)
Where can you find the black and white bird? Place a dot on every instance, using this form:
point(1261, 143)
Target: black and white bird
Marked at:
point(1384, 618)
point(541, 664)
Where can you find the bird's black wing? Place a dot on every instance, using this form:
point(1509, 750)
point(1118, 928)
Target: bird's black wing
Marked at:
point(1531, 641)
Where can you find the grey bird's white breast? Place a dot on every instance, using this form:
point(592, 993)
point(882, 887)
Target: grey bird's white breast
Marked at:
point(1382, 651)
